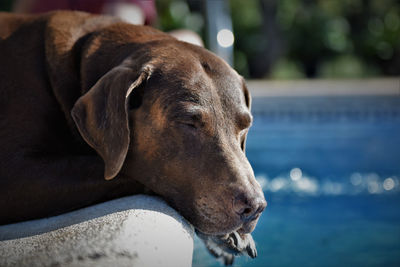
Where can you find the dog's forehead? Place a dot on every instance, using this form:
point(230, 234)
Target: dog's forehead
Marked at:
point(209, 89)
point(226, 86)
point(191, 73)
point(207, 78)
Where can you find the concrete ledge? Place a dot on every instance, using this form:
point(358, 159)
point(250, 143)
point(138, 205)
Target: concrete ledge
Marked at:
point(310, 87)
point(132, 231)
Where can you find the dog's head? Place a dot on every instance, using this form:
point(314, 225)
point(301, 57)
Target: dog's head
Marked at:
point(177, 123)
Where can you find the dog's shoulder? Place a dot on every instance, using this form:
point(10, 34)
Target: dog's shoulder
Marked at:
point(10, 22)
point(75, 23)
point(64, 24)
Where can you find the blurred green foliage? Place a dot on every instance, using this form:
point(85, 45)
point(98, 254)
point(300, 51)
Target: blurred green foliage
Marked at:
point(290, 39)
point(5, 5)
point(173, 14)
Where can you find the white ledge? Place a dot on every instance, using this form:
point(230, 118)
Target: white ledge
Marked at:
point(132, 231)
point(317, 87)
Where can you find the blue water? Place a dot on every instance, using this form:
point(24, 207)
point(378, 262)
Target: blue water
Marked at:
point(330, 170)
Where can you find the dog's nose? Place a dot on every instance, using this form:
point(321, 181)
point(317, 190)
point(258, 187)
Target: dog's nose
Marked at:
point(247, 207)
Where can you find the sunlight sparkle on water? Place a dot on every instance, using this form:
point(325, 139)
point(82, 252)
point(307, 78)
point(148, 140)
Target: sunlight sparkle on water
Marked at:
point(356, 179)
point(307, 185)
point(388, 184)
point(296, 174)
point(297, 182)
point(263, 181)
point(278, 184)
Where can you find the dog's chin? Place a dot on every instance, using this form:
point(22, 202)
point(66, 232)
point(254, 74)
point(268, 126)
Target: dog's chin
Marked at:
point(217, 230)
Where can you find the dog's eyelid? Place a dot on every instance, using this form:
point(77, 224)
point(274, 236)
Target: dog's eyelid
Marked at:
point(193, 118)
point(190, 116)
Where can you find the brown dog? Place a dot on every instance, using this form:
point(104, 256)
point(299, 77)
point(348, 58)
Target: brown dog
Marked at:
point(85, 97)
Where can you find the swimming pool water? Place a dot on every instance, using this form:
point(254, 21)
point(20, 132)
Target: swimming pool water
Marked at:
point(330, 170)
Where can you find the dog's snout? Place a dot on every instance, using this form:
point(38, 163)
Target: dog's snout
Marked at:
point(249, 208)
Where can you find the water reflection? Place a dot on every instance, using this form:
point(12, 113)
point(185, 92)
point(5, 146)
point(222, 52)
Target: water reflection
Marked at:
point(296, 174)
point(298, 182)
point(388, 184)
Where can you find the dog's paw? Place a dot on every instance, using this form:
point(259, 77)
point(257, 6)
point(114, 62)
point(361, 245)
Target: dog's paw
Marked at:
point(230, 245)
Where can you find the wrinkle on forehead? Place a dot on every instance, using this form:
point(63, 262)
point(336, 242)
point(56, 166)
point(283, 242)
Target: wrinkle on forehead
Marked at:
point(186, 86)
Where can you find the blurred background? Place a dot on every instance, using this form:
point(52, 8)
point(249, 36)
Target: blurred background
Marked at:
point(292, 39)
point(325, 143)
point(285, 39)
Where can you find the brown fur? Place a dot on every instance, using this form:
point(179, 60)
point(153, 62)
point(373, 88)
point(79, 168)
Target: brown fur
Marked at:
point(85, 97)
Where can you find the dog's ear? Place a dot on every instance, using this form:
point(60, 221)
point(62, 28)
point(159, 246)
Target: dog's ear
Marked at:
point(101, 115)
point(247, 99)
point(247, 96)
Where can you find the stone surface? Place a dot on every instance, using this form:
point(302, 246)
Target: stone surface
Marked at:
point(318, 87)
point(131, 231)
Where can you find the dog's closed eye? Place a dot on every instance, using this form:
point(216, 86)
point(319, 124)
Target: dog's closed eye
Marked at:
point(191, 120)
point(188, 115)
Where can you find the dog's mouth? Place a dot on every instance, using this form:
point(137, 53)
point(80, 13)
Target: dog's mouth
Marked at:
point(215, 220)
point(249, 226)
point(245, 228)
point(232, 225)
